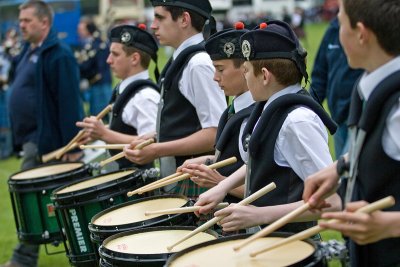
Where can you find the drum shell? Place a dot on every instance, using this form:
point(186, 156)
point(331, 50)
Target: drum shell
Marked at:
point(98, 233)
point(31, 198)
point(314, 260)
point(75, 210)
point(113, 258)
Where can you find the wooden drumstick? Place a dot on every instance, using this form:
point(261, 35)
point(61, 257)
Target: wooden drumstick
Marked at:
point(183, 210)
point(213, 221)
point(273, 226)
point(106, 146)
point(374, 206)
point(80, 134)
point(122, 154)
point(216, 165)
point(134, 192)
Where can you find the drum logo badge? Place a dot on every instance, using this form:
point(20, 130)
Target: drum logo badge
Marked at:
point(51, 210)
point(246, 49)
point(126, 37)
point(229, 49)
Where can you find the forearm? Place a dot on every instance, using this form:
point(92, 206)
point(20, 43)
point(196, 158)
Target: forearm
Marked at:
point(234, 181)
point(113, 137)
point(197, 143)
point(238, 192)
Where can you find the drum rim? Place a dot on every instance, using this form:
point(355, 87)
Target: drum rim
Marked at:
point(70, 195)
point(119, 256)
point(52, 177)
point(95, 228)
point(243, 236)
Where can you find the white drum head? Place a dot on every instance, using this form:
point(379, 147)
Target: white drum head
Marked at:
point(47, 171)
point(224, 255)
point(94, 181)
point(155, 242)
point(135, 212)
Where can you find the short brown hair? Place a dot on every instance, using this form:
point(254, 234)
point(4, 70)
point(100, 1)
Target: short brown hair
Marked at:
point(42, 10)
point(144, 57)
point(381, 17)
point(197, 20)
point(237, 62)
point(284, 70)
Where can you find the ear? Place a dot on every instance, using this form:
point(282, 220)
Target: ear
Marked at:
point(266, 74)
point(363, 33)
point(135, 59)
point(186, 20)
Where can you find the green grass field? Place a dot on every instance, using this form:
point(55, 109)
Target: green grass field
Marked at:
point(8, 237)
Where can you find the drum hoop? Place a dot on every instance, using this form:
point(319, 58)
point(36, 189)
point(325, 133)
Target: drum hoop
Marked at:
point(241, 236)
point(48, 182)
point(48, 178)
point(120, 256)
point(95, 228)
point(81, 192)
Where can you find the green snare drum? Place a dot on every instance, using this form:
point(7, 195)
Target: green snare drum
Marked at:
point(30, 192)
point(77, 203)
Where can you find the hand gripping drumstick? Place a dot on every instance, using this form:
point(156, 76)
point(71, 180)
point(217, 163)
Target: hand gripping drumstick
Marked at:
point(183, 210)
point(122, 154)
point(216, 165)
point(106, 146)
point(72, 144)
point(213, 221)
point(374, 206)
point(68, 147)
point(273, 226)
point(134, 192)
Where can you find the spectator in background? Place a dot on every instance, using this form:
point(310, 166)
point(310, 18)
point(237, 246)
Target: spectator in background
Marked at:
point(332, 79)
point(94, 70)
point(298, 23)
point(44, 102)
point(5, 133)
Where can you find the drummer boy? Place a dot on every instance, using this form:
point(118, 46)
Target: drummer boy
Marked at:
point(225, 52)
point(285, 136)
point(369, 33)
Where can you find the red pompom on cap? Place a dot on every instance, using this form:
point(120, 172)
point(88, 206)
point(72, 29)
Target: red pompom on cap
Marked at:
point(142, 26)
point(239, 25)
point(263, 25)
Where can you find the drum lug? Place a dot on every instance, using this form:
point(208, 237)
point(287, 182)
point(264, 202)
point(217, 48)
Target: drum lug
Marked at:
point(111, 200)
point(43, 192)
point(46, 235)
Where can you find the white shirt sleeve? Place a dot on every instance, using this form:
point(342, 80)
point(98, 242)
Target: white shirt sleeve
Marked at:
point(141, 111)
point(199, 88)
point(302, 143)
point(390, 137)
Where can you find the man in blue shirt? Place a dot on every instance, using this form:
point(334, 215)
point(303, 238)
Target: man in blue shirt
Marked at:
point(45, 101)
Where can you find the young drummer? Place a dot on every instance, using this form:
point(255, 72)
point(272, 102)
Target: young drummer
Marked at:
point(191, 102)
point(285, 135)
point(225, 52)
point(369, 35)
point(136, 98)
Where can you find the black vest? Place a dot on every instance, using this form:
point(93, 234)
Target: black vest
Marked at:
point(378, 174)
point(263, 169)
point(117, 124)
point(227, 142)
point(178, 116)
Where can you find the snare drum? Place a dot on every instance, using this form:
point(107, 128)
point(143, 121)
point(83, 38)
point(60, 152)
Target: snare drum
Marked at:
point(30, 192)
point(76, 203)
point(130, 216)
point(148, 246)
point(220, 253)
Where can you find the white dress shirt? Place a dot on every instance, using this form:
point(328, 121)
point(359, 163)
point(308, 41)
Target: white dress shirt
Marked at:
point(302, 142)
point(141, 110)
point(199, 88)
point(368, 83)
